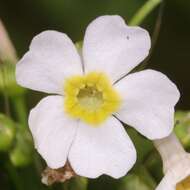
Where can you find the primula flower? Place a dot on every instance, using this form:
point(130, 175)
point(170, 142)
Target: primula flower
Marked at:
point(81, 123)
point(176, 164)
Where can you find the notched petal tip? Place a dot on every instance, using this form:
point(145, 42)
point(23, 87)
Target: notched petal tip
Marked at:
point(149, 100)
point(53, 131)
point(110, 45)
point(103, 150)
point(51, 58)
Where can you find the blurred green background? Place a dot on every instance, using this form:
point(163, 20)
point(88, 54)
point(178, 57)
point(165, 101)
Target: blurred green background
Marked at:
point(171, 55)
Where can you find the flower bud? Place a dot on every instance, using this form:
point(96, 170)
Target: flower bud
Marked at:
point(20, 155)
point(8, 58)
point(176, 164)
point(7, 133)
point(7, 51)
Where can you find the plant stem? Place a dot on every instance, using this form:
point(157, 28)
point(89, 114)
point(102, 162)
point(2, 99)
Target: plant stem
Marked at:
point(4, 87)
point(21, 110)
point(154, 37)
point(14, 176)
point(144, 11)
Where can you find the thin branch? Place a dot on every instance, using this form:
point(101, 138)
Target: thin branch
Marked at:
point(155, 36)
point(144, 11)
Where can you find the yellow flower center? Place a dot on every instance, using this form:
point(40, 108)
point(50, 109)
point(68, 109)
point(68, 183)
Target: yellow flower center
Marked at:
point(90, 98)
point(184, 184)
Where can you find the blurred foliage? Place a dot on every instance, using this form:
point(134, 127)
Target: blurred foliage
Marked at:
point(22, 152)
point(141, 178)
point(20, 165)
point(79, 183)
point(8, 81)
point(182, 128)
point(7, 133)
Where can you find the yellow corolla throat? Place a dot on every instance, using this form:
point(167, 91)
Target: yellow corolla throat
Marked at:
point(90, 98)
point(184, 184)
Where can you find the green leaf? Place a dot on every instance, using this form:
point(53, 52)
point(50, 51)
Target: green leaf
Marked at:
point(182, 128)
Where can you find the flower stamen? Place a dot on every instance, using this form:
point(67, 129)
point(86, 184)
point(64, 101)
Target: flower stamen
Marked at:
point(90, 98)
point(184, 184)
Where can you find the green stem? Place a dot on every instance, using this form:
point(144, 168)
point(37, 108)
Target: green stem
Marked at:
point(14, 176)
point(144, 11)
point(65, 185)
point(21, 110)
point(4, 88)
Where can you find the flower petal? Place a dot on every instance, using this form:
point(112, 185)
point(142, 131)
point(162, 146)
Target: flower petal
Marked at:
point(52, 130)
point(177, 174)
point(105, 149)
point(112, 46)
point(149, 98)
point(167, 183)
point(52, 57)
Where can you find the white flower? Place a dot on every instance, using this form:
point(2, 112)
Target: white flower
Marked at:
point(81, 123)
point(176, 163)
